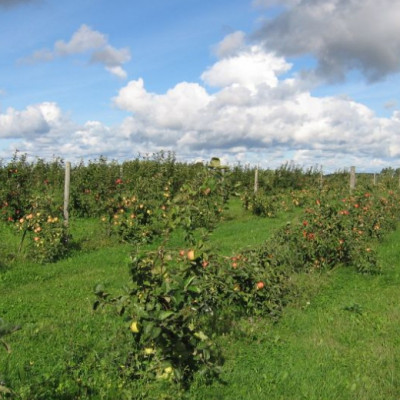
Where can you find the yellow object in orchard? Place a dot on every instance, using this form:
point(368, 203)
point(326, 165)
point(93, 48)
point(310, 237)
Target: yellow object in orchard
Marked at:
point(134, 327)
point(167, 374)
point(168, 370)
point(191, 255)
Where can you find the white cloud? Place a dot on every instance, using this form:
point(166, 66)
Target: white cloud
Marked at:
point(86, 40)
point(39, 130)
point(35, 120)
point(43, 55)
point(83, 40)
point(248, 69)
point(176, 110)
point(110, 56)
point(117, 71)
point(112, 59)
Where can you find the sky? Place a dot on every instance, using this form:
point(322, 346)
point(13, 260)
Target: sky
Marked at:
point(260, 82)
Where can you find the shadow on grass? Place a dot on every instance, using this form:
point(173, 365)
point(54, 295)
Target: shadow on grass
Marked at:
point(3, 267)
point(5, 261)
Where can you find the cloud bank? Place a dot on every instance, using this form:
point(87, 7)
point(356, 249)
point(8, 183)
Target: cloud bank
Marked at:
point(86, 41)
point(342, 35)
point(257, 111)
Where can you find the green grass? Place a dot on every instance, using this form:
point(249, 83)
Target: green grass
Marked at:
point(53, 303)
point(242, 230)
point(339, 339)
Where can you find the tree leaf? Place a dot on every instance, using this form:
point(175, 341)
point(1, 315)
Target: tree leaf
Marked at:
point(194, 289)
point(156, 332)
point(189, 281)
point(165, 314)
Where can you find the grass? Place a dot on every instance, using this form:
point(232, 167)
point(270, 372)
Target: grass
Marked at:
point(242, 230)
point(339, 339)
point(53, 303)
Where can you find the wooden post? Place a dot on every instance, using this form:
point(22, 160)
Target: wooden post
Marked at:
point(375, 179)
point(321, 180)
point(256, 180)
point(66, 192)
point(352, 178)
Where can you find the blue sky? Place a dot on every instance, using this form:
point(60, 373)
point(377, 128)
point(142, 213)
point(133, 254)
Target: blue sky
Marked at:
point(262, 81)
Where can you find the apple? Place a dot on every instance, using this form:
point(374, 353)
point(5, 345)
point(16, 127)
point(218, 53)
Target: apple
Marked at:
point(167, 374)
point(134, 327)
point(190, 255)
point(260, 285)
point(149, 350)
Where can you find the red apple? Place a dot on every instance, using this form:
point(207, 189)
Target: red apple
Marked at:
point(260, 285)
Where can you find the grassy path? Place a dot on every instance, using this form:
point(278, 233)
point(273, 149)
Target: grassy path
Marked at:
point(343, 343)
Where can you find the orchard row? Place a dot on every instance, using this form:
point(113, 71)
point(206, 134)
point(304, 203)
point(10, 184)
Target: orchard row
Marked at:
point(177, 298)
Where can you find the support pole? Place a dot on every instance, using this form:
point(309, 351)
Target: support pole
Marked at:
point(66, 192)
point(256, 180)
point(352, 179)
